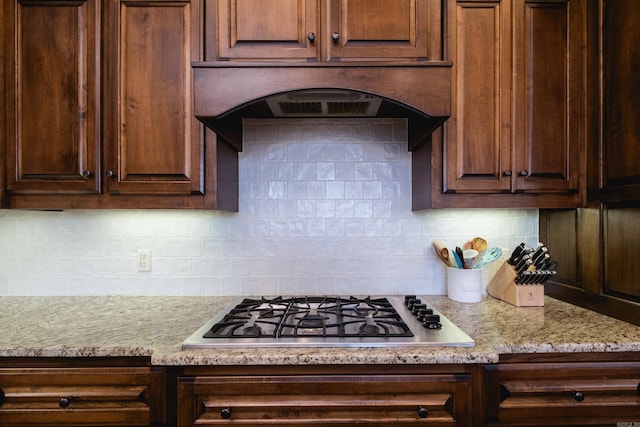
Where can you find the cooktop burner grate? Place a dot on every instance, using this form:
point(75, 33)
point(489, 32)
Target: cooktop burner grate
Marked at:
point(311, 316)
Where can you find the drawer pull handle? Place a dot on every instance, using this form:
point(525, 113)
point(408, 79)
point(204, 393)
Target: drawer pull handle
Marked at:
point(1, 397)
point(225, 414)
point(423, 412)
point(638, 389)
point(65, 401)
point(579, 396)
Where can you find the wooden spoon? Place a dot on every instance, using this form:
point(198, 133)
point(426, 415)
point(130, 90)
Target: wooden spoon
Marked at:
point(443, 253)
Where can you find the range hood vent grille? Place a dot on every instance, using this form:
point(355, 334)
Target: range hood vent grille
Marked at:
point(324, 104)
point(297, 108)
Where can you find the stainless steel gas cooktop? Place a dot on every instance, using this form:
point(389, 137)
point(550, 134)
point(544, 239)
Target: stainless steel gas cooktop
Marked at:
point(323, 321)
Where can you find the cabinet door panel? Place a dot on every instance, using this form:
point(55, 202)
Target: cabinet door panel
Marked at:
point(478, 150)
point(621, 270)
point(369, 29)
point(154, 144)
point(321, 400)
point(277, 29)
point(75, 396)
point(620, 176)
point(549, 112)
point(52, 134)
point(538, 394)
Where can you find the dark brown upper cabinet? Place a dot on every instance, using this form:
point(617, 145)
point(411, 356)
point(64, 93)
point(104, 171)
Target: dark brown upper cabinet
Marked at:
point(315, 30)
point(615, 128)
point(53, 100)
point(518, 115)
point(99, 103)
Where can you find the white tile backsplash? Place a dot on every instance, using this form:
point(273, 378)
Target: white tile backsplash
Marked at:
point(325, 208)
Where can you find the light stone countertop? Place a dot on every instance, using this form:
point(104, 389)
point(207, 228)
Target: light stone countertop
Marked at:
point(156, 326)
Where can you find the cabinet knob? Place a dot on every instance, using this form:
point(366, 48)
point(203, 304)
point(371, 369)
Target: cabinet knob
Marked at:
point(335, 36)
point(508, 172)
point(110, 174)
point(524, 172)
point(578, 396)
point(423, 412)
point(87, 173)
point(311, 37)
point(225, 413)
point(65, 401)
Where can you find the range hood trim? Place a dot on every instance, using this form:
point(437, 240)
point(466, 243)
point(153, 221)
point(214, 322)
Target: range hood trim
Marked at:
point(226, 94)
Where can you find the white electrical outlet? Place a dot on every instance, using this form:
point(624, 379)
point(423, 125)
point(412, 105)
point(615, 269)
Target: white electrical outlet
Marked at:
point(144, 259)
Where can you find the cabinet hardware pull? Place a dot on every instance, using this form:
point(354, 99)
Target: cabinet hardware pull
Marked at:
point(524, 172)
point(508, 172)
point(65, 401)
point(110, 174)
point(335, 36)
point(423, 412)
point(225, 413)
point(1, 397)
point(637, 389)
point(87, 173)
point(311, 37)
point(579, 396)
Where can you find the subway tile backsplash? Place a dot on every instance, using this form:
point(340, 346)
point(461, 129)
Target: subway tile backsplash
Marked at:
point(325, 208)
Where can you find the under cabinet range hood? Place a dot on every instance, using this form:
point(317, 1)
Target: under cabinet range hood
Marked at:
point(227, 93)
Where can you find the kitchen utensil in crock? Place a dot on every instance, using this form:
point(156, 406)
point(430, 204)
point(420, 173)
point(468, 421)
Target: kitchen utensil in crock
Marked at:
point(489, 256)
point(477, 243)
point(443, 253)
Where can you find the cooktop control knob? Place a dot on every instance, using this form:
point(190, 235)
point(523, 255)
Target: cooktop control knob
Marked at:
point(407, 298)
point(424, 312)
point(432, 321)
point(418, 307)
point(410, 303)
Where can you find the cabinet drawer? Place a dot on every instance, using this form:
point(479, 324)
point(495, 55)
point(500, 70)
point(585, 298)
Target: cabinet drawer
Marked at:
point(337, 400)
point(564, 394)
point(75, 396)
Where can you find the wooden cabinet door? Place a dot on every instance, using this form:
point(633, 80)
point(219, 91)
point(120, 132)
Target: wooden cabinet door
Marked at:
point(382, 29)
point(152, 142)
point(478, 149)
point(52, 103)
point(76, 396)
point(519, 122)
point(260, 30)
point(549, 93)
point(615, 149)
point(345, 400)
point(546, 394)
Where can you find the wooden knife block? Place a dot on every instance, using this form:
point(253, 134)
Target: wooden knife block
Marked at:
point(503, 287)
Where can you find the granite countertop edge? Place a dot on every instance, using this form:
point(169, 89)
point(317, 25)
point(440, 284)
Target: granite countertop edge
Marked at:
point(154, 327)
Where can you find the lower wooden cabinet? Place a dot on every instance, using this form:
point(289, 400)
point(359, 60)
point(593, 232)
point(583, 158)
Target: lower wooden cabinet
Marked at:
point(563, 390)
point(331, 398)
point(44, 392)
